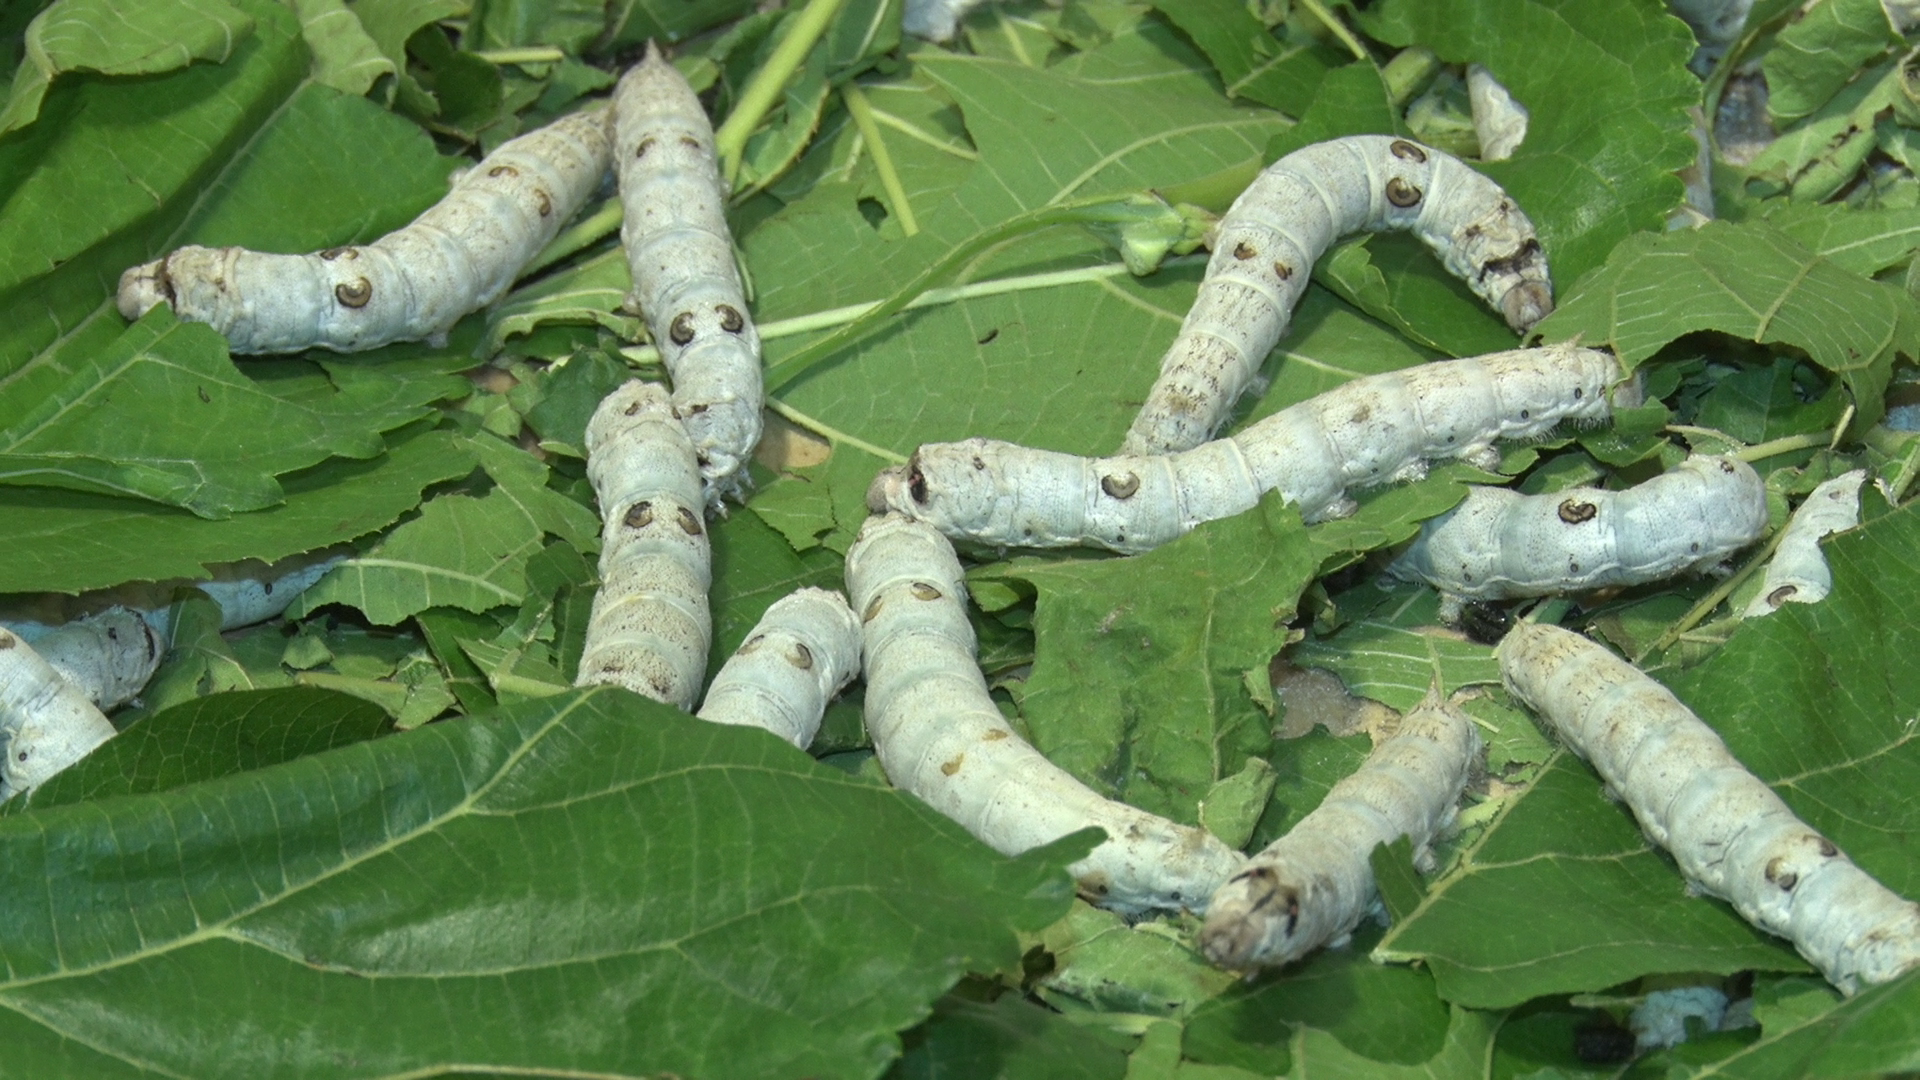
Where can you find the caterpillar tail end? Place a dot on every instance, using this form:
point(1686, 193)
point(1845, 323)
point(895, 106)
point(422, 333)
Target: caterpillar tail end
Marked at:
point(143, 288)
point(1526, 304)
point(1250, 921)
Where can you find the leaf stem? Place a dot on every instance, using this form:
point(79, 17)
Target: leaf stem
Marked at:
point(862, 114)
point(768, 82)
point(1094, 211)
point(536, 54)
point(832, 435)
point(1339, 29)
point(840, 316)
point(1706, 605)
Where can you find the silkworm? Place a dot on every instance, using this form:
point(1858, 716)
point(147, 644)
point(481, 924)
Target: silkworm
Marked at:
point(409, 285)
point(1312, 886)
point(48, 722)
point(680, 254)
point(1265, 247)
point(108, 656)
point(801, 653)
point(935, 20)
point(939, 735)
point(1499, 544)
point(1730, 834)
point(650, 628)
point(1369, 431)
point(1798, 572)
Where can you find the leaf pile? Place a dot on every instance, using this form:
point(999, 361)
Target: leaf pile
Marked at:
point(383, 836)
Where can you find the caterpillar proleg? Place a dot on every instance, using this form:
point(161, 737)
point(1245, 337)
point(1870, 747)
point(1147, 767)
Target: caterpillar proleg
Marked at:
point(1799, 572)
point(1369, 431)
point(48, 722)
point(1312, 886)
point(1265, 247)
point(680, 254)
point(410, 284)
point(939, 735)
point(1730, 834)
point(803, 651)
point(1500, 544)
point(650, 627)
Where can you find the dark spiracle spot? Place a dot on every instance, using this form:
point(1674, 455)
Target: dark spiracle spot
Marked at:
point(503, 170)
point(681, 329)
point(641, 150)
point(917, 484)
point(730, 318)
point(639, 515)
point(1120, 487)
point(923, 591)
point(1244, 251)
point(354, 294)
point(1574, 512)
point(689, 522)
point(1407, 151)
point(1402, 194)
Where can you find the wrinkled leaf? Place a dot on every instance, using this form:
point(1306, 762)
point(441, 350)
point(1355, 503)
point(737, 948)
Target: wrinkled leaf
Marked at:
point(118, 37)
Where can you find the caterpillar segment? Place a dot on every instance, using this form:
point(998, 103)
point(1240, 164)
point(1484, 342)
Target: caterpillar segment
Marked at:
point(650, 626)
point(685, 282)
point(939, 735)
point(1265, 247)
point(412, 284)
point(1370, 431)
point(1730, 834)
point(798, 657)
point(1799, 573)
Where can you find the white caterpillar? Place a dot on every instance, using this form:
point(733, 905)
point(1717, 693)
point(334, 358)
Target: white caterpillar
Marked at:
point(1799, 571)
point(803, 651)
point(1265, 247)
point(410, 284)
point(939, 735)
point(935, 20)
point(48, 721)
point(650, 627)
point(1312, 886)
point(1730, 834)
point(680, 254)
point(1369, 431)
point(1500, 544)
point(108, 656)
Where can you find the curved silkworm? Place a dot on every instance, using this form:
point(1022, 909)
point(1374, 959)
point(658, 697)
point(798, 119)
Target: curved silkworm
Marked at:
point(680, 254)
point(801, 653)
point(650, 627)
point(108, 656)
point(1798, 572)
point(48, 722)
point(939, 735)
point(409, 285)
point(1369, 431)
point(1312, 886)
point(1265, 247)
point(1499, 544)
point(1730, 834)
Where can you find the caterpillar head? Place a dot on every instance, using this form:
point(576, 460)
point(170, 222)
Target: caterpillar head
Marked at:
point(1254, 920)
point(955, 487)
point(143, 288)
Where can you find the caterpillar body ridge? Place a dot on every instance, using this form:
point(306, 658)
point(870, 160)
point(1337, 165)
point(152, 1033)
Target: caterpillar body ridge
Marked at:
point(939, 735)
point(1268, 241)
point(1730, 834)
point(801, 653)
point(1499, 544)
point(1799, 571)
point(650, 626)
point(1369, 431)
point(680, 255)
point(409, 285)
point(1312, 886)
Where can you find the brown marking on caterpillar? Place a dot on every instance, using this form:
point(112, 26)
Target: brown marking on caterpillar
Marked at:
point(6, 640)
point(681, 329)
point(1827, 850)
point(1244, 251)
point(1573, 511)
point(873, 608)
point(1402, 194)
point(639, 515)
point(1782, 594)
point(545, 200)
point(691, 143)
point(730, 318)
point(950, 767)
point(1786, 880)
point(801, 657)
point(1407, 151)
point(333, 253)
point(924, 591)
point(641, 150)
point(1120, 487)
point(503, 170)
point(994, 736)
point(1283, 271)
point(354, 294)
point(689, 522)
